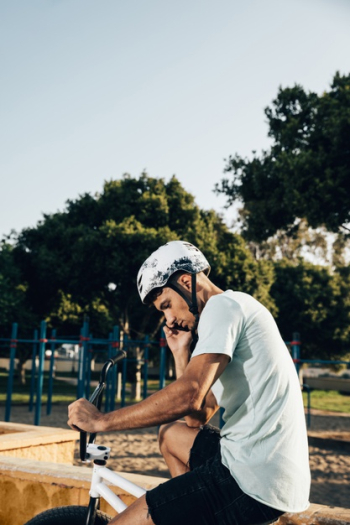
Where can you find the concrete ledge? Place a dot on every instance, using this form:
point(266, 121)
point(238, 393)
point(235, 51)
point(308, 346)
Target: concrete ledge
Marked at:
point(328, 383)
point(29, 487)
point(34, 442)
point(330, 439)
point(317, 515)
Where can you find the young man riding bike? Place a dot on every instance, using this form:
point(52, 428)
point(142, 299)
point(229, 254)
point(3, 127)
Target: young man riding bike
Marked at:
point(254, 469)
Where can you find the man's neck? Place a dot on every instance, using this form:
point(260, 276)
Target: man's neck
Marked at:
point(207, 291)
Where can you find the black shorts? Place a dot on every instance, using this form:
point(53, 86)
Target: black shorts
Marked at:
point(208, 494)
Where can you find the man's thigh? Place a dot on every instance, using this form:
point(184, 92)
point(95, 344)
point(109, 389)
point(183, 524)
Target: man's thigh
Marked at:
point(208, 494)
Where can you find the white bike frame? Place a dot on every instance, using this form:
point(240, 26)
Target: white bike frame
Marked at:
point(99, 488)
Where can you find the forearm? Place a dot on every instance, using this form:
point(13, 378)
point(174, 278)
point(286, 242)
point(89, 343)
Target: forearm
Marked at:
point(181, 361)
point(197, 418)
point(169, 404)
point(202, 416)
point(190, 395)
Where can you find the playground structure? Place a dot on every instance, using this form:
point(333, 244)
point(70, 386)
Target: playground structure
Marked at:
point(87, 345)
point(295, 346)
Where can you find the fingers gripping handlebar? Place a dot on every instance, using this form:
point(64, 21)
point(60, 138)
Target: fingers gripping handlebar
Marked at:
point(96, 398)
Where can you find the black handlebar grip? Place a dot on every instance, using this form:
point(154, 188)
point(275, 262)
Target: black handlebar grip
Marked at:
point(83, 442)
point(118, 356)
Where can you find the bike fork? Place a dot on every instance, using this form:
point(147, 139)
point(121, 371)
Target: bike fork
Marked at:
point(94, 505)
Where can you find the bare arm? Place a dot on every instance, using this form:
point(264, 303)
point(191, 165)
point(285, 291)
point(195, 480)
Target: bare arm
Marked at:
point(179, 343)
point(187, 395)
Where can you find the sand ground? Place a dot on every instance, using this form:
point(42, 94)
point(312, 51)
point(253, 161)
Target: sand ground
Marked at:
point(137, 451)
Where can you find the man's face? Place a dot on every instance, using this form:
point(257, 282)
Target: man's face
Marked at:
point(175, 309)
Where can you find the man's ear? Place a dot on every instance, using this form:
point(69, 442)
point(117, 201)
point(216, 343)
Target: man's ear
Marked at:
point(185, 280)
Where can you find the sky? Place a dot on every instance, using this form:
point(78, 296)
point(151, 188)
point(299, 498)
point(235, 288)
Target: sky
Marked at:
point(92, 90)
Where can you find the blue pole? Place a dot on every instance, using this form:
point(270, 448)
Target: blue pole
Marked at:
point(296, 350)
point(86, 340)
point(109, 386)
point(13, 346)
point(80, 364)
point(52, 364)
point(162, 344)
point(114, 371)
point(125, 347)
point(145, 367)
point(308, 391)
point(39, 392)
point(32, 379)
point(88, 373)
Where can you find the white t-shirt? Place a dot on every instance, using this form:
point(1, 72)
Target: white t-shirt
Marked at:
point(264, 439)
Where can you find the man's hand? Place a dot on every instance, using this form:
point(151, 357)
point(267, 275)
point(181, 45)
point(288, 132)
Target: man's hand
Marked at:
point(178, 341)
point(82, 415)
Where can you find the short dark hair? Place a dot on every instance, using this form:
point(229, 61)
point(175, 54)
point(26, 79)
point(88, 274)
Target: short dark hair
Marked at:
point(153, 295)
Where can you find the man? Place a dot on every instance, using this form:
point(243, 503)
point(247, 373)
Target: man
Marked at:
point(257, 467)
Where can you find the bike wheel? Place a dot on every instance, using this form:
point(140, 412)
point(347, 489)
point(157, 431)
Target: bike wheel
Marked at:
point(73, 515)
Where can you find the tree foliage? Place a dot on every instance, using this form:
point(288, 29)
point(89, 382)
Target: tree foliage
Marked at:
point(316, 301)
point(306, 172)
point(14, 306)
point(69, 260)
point(61, 270)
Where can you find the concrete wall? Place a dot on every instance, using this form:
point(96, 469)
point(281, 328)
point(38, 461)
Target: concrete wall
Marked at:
point(317, 515)
point(39, 443)
point(29, 487)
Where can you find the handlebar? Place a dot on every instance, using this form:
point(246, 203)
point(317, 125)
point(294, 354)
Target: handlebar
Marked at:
point(96, 398)
point(121, 354)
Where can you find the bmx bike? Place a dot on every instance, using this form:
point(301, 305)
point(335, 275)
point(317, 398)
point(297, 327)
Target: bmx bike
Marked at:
point(99, 454)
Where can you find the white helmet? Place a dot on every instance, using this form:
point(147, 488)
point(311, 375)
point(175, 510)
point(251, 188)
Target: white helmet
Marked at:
point(164, 262)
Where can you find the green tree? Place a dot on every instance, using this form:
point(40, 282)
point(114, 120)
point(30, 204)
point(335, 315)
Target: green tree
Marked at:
point(315, 302)
point(14, 307)
point(306, 172)
point(13, 304)
point(302, 242)
point(71, 257)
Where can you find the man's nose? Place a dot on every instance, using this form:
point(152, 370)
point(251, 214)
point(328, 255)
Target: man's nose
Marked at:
point(170, 320)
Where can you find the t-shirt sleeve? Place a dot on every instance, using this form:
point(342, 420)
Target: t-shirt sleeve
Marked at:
point(220, 326)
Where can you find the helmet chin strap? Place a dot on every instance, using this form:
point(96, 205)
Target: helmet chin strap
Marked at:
point(192, 304)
